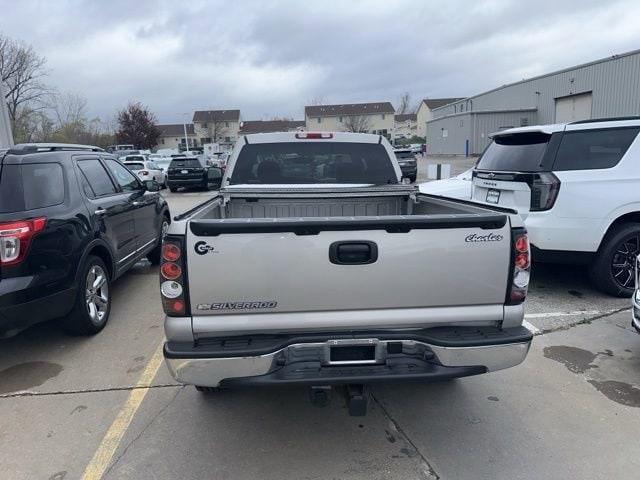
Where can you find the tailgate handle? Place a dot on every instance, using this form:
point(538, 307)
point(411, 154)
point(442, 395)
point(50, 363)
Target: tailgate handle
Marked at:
point(359, 252)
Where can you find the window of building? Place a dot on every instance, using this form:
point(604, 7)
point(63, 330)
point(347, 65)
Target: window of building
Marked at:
point(227, 139)
point(383, 116)
point(226, 124)
point(524, 122)
point(593, 149)
point(204, 125)
point(319, 119)
point(462, 123)
point(340, 119)
point(162, 141)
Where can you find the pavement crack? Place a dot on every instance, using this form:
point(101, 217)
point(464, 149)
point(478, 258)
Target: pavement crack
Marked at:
point(584, 321)
point(88, 390)
point(144, 429)
point(429, 472)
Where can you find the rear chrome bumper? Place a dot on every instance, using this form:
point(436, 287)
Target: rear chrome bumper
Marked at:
point(308, 363)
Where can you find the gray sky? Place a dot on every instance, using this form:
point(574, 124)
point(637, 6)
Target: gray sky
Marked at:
point(270, 58)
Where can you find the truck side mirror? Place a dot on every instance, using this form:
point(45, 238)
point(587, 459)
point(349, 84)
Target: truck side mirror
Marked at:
point(214, 173)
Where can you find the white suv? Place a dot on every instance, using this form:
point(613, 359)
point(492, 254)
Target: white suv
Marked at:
point(577, 186)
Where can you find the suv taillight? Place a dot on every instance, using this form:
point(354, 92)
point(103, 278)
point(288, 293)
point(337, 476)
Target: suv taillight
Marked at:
point(15, 238)
point(173, 287)
point(544, 191)
point(521, 267)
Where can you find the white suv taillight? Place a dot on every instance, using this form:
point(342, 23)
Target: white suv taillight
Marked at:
point(521, 264)
point(544, 191)
point(15, 238)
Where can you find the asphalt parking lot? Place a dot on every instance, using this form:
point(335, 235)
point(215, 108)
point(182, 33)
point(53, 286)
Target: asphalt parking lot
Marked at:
point(74, 408)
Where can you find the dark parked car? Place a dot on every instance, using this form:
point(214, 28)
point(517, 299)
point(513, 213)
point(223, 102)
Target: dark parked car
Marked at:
point(408, 164)
point(191, 173)
point(72, 220)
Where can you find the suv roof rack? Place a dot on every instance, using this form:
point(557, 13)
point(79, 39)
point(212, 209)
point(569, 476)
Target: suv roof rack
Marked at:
point(610, 119)
point(25, 148)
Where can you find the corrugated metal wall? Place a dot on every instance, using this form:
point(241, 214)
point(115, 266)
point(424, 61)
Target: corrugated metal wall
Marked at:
point(614, 83)
point(458, 131)
point(474, 127)
point(487, 123)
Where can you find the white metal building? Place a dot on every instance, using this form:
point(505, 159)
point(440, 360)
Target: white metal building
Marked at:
point(609, 87)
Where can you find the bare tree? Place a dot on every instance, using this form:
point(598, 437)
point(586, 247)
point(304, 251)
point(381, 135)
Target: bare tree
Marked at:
point(318, 100)
point(404, 104)
point(357, 123)
point(22, 72)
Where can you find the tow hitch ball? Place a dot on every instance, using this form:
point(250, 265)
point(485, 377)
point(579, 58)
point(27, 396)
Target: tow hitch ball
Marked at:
point(357, 397)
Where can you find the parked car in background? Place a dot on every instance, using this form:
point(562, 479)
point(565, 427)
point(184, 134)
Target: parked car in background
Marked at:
point(454, 187)
point(576, 186)
point(416, 148)
point(300, 214)
point(115, 148)
point(191, 172)
point(122, 154)
point(146, 169)
point(408, 163)
point(72, 220)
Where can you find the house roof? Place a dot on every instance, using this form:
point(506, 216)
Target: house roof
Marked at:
point(440, 102)
point(348, 109)
point(175, 129)
point(216, 115)
point(403, 117)
point(268, 126)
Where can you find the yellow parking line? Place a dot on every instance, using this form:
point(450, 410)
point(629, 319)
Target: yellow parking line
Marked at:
point(101, 459)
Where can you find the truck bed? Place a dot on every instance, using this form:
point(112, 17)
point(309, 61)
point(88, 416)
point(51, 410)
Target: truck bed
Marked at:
point(354, 203)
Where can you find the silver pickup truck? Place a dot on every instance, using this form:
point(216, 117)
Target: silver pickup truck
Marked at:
point(315, 264)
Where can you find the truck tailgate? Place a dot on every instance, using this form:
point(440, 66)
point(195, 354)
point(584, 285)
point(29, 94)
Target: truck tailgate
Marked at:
point(255, 273)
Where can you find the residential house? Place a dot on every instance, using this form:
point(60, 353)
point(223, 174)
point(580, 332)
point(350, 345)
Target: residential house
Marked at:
point(406, 125)
point(217, 126)
point(424, 113)
point(351, 117)
point(267, 126)
point(172, 136)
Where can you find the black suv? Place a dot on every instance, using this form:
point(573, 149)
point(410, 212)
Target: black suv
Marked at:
point(189, 172)
point(72, 220)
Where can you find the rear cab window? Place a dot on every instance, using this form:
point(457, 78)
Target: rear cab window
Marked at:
point(30, 186)
point(313, 162)
point(518, 152)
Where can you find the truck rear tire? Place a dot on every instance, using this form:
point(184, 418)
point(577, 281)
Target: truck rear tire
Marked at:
point(90, 312)
point(612, 271)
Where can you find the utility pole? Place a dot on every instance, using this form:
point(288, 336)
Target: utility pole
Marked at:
point(6, 137)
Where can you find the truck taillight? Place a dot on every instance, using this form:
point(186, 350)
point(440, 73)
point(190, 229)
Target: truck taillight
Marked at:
point(172, 277)
point(521, 267)
point(544, 191)
point(15, 238)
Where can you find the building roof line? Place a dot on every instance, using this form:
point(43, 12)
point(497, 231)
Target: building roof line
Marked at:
point(484, 112)
point(556, 72)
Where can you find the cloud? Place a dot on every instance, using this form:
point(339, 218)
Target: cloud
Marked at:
point(272, 57)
